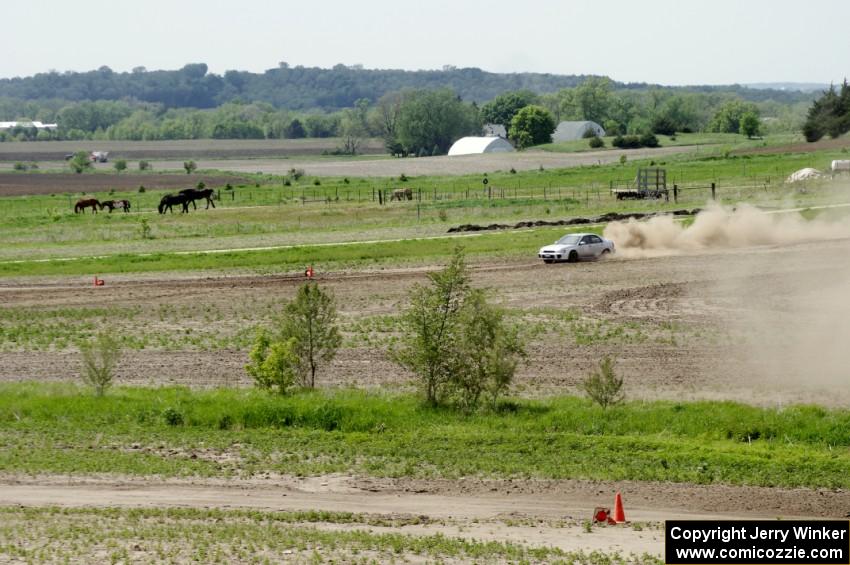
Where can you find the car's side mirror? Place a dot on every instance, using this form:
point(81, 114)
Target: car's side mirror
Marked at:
point(582, 242)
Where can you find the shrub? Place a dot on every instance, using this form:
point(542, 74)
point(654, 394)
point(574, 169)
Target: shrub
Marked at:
point(99, 358)
point(120, 165)
point(274, 364)
point(33, 166)
point(144, 165)
point(402, 177)
point(296, 174)
point(141, 189)
point(648, 140)
point(596, 142)
point(145, 229)
point(317, 182)
point(172, 417)
point(190, 166)
point(80, 162)
point(486, 353)
point(603, 386)
point(19, 166)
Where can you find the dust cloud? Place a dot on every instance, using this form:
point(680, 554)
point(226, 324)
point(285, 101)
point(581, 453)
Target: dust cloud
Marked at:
point(781, 309)
point(718, 227)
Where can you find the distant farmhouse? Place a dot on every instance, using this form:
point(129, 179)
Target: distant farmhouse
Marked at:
point(477, 145)
point(27, 125)
point(571, 131)
point(495, 130)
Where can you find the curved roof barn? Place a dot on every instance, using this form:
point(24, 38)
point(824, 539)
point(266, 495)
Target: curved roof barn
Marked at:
point(477, 145)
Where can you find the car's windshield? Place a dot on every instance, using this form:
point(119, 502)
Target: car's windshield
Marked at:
point(570, 239)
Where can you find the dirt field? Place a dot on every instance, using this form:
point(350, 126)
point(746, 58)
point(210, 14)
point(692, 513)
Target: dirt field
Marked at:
point(751, 324)
point(695, 325)
point(19, 184)
point(180, 149)
point(803, 147)
point(443, 165)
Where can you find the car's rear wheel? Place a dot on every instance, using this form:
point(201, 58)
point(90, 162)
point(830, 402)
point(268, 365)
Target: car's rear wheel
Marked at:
point(573, 257)
point(605, 253)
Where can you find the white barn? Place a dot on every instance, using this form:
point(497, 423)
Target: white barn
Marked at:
point(571, 131)
point(477, 145)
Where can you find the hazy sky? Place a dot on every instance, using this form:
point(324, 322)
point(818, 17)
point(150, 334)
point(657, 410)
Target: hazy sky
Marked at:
point(663, 41)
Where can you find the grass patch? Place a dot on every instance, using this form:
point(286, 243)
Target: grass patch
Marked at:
point(228, 432)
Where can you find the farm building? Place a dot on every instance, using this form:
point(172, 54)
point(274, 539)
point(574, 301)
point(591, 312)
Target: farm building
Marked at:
point(571, 131)
point(495, 130)
point(476, 145)
point(28, 124)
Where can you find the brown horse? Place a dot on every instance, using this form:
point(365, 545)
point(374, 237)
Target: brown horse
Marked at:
point(84, 203)
point(113, 204)
point(402, 193)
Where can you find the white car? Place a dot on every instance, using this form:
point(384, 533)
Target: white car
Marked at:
point(576, 246)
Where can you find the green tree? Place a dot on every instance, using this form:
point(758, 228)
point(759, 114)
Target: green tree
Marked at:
point(750, 125)
point(593, 99)
point(430, 328)
point(190, 166)
point(120, 165)
point(310, 319)
point(434, 117)
point(353, 128)
point(727, 119)
point(532, 125)
point(80, 162)
point(274, 363)
point(502, 109)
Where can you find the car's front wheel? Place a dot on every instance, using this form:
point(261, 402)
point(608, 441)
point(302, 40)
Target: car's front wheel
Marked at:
point(573, 256)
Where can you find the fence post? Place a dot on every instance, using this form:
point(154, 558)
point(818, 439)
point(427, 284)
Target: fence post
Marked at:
point(675, 193)
point(380, 196)
point(713, 193)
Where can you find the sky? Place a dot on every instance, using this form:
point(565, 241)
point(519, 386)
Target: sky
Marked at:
point(657, 41)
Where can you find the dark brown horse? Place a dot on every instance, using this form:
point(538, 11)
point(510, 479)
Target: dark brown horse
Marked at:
point(193, 194)
point(113, 204)
point(84, 203)
point(169, 200)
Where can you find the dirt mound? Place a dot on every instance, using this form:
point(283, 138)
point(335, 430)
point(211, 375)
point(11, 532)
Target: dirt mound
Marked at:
point(602, 219)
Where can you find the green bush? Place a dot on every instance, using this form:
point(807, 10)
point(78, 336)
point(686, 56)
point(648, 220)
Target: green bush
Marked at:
point(603, 386)
point(172, 417)
point(596, 142)
point(99, 359)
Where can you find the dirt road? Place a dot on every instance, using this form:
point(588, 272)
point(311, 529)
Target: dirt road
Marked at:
point(544, 513)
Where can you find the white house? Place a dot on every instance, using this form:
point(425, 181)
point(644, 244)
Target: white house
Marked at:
point(476, 145)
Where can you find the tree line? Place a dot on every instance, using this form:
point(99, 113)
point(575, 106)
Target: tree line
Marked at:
point(410, 121)
point(304, 88)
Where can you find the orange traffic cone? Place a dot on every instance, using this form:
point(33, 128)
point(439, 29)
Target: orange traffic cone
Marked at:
point(619, 514)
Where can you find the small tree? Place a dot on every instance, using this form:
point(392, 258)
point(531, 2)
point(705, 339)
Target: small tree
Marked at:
point(274, 364)
point(120, 165)
point(430, 327)
point(750, 125)
point(80, 162)
point(190, 166)
point(485, 353)
point(144, 165)
point(311, 319)
point(603, 386)
point(100, 356)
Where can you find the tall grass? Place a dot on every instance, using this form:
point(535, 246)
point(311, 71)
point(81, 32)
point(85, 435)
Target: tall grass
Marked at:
point(395, 435)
